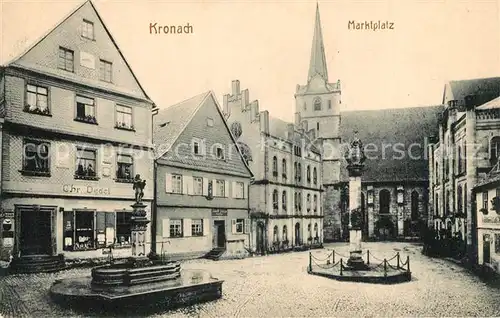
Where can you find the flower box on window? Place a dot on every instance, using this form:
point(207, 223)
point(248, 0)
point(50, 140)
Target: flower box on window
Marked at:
point(87, 119)
point(122, 180)
point(82, 177)
point(37, 110)
point(35, 173)
point(124, 126)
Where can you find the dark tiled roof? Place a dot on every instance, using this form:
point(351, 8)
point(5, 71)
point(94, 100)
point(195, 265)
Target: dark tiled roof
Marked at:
point(385, 134)
point(485, 89)
point(169, 123)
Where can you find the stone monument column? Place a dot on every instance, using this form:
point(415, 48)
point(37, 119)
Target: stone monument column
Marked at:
point(401, 214)
point(139, 220)
point(355, 158)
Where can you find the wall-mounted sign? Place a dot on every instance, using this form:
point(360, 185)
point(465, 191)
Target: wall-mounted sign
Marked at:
point(219, 212)
point(79, 189)
point(6, 214)
point(87, 60)
point(491, 219)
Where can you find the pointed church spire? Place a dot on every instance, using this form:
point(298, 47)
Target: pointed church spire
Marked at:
point(318, 60)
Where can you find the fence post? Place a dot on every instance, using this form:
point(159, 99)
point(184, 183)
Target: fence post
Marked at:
point(333, 257)
point(341, 265)
point(310, 262)
point(397, 256)
point(385, 267)
point(368, 257)
point(408, 262)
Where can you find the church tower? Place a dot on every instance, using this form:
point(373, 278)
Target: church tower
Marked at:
point(318, 104)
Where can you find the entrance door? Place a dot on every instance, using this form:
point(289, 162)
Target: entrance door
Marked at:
point(486, 249)
point(260, 238)
point(35, 232)
point(297, 234)
point(219, 234)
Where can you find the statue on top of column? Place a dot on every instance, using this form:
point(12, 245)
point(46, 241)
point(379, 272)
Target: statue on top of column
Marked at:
point(139, 188)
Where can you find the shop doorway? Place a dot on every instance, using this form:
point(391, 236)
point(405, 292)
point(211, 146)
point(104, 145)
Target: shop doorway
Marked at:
point(260, 248)
point(486, 249)
point(35, 231)
point(219, 234)
point(297, 234)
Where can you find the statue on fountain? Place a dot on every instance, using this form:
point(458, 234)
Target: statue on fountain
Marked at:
point(139, 188)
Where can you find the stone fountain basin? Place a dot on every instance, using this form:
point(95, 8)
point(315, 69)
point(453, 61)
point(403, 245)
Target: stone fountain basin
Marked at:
point(187, 287)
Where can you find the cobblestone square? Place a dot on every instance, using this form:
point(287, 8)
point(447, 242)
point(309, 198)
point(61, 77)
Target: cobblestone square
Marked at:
point(278, 285)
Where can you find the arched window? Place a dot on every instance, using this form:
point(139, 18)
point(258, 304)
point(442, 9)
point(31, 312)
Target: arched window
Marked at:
point(296, 201)
point(308, 174)
point(285, 233)
point(459, 199)
point(436, 208)
point(414, 206)
point(447, 203)
point(494, 149)
point(275, 166)
point(308, 202)
point(275, 234)
point(384, 201)
point(283, 200)
point(315, 176)
point(309, 230)
point(315, 204)
point(283, 169)
point(316, 230)
point(275, 200)
point(299, 172)
point(295, 170)
point(317, 104)
point(299, 197)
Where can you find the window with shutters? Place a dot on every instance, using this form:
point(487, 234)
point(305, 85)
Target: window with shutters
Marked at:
point(197, 186)
point(123, 228)
point(220, 188)
point(239, 226)
point(175, 228)
point(177, 183)
point(239, 190)
point(197, 227)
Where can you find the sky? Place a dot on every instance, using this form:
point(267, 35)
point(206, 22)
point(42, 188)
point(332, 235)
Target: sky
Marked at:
point(266, 45)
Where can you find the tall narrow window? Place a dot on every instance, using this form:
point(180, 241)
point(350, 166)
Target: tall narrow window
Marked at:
point(315, 176)
point(197, 185)
point(384, 201)
point(123, 228)
point(414, 206)
point(177, 183)
point(283, 170)
point(124, 117)
point(317, 126)
point(485, 200)
point(275, 200)
point(275, 166)
point(88, 29)
point(85, 164)
point(308, 203)
point(459, 199)
point(105, 71)
point(85, 109)
point(220, 189)
point(494, 149)
point(283, 200)
point(315, 204)
point(299, 172)
point(66, 60)
point(308, 174)
point(37, 99)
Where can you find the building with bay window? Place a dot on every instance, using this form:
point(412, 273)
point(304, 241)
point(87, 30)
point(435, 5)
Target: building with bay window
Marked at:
point(77, 129)
point(202, 180)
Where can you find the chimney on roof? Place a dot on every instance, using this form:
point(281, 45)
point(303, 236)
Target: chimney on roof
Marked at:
point(244, 99)
point(290, 130)
point(297, 118)
point(236, 87)
point(254, 110)
point(264, 121)
point(225, 105)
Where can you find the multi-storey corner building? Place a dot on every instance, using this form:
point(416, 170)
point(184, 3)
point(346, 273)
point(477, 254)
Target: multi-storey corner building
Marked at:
point(77, 130)
point(286, 192)
point(466, 148)
point(202, 181)
point(487, 211)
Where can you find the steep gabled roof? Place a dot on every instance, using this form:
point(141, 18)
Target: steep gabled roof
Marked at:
point(485, 89)
point(170, 122)
point(401, 129)
point(35, 43)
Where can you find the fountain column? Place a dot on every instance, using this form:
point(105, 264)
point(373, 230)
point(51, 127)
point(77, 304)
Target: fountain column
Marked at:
point(139, 220)
point(355, 158)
